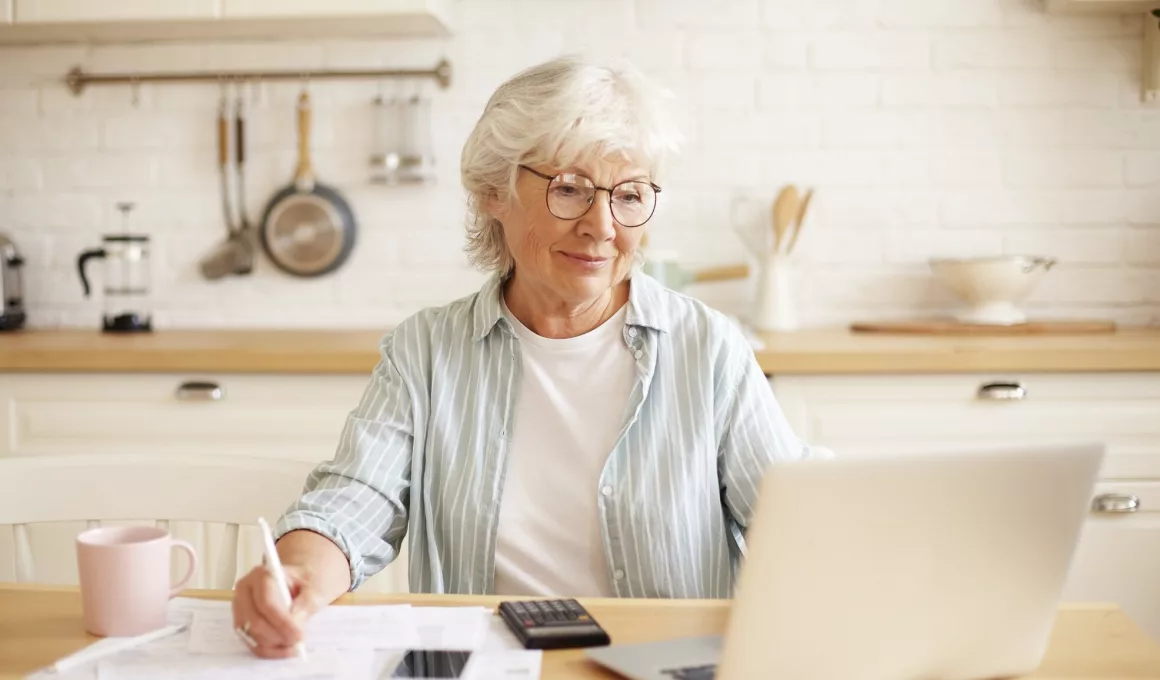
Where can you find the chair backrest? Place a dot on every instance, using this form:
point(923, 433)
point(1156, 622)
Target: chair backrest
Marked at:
point(100, 488)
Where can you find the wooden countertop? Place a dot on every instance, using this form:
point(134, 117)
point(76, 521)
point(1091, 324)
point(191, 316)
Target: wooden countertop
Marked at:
point(818, 351)
point(39, 624)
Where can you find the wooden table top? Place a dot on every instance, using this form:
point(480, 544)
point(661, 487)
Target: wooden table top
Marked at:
point(39, 624)
point(812, 351)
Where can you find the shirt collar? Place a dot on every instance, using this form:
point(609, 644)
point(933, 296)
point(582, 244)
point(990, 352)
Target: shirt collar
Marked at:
point(647, 304)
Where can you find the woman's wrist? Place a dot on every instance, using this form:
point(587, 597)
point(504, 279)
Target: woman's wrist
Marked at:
point(320, 557)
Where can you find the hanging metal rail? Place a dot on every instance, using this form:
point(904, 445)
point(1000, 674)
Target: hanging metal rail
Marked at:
point(77, 79)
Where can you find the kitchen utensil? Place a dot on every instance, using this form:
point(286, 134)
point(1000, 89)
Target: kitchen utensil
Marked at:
point(953, 327)
point(308, 229)
point(11, 286)
point(785, 210)
point(670, 273)
point(385, 160)
point(800, 219)
point(235, 254)
point(774, 307)
point(417, 157)
point(245, 232)
point(992, 286)
point(126, 279)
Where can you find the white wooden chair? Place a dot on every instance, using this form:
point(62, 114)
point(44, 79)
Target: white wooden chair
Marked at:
point(102, 488)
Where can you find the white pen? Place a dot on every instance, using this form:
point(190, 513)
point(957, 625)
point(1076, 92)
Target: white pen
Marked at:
point(274, 565)
point(109, 646)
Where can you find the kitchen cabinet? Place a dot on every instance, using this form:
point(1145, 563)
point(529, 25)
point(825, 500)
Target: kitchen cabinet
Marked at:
point(44, 21)
point(280, 417)
point(71, 11)
point(5, 12)
point(1119, 552)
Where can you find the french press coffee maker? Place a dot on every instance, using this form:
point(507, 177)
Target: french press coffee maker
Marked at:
point(126, 278)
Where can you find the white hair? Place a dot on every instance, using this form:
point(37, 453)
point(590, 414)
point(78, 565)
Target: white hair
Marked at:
point(558, 113)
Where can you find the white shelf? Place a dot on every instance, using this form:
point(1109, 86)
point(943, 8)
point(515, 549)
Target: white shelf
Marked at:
point(128, 21)
point(1101, 6)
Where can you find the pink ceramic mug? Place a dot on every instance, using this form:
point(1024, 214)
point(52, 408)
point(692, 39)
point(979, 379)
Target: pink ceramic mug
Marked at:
point(125, 578)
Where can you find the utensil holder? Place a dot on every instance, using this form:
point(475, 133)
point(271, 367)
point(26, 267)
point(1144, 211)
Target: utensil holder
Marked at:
point(774, 305)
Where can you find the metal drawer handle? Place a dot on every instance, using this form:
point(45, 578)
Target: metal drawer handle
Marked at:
point(1002, 391)
point(1116, 503)
point(200, 391)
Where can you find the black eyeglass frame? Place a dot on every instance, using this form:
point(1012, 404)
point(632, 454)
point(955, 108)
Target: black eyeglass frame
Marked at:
point(597, 187)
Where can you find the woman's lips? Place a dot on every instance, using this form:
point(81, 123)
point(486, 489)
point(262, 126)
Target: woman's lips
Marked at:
point(585, 260)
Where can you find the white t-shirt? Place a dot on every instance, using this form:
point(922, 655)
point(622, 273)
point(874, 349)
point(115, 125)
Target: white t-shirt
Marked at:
point(572, 404)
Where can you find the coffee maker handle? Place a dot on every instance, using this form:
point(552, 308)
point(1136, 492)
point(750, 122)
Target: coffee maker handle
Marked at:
point(85, 257)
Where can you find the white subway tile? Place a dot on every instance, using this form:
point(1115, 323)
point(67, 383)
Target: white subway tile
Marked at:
point(785, 51)
point(1142, 207)
point(19, 102)
point(141, 130)
point(31, 66)
point(724, 50)
point(654, 50)
point(876, 287)
point(881, 130)
point(695, 13)
point(86, 171)
point(873, 211)
point(860, 51)
point(74, 212)
point(784, 15)
point(829, 168)
point(781, 130)
point(841, 246)
point(1099, 90)
point(1143, 246)
point(48, 134)
point(818, 91)
point(973, 129)
point(1099, 54)
point(944, 13)
point(1102, 245)
point(917, 246)
point(1095, 285)
point(735, 92)
point(942, 89)
point(20, 173)
point(1064, 169)
point(1142, 168)
point(994, 50)
point(945, 170)
point(1142, 130)
point(996, 208)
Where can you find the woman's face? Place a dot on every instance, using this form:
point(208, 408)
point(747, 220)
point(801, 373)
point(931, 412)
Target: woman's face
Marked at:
point(575, 260)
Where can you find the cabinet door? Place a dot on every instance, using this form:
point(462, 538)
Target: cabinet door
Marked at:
point(274, 416)
point(1118, 559)
point(5, 12)
point(75, 11)
point(242, 9)
point(919, 413)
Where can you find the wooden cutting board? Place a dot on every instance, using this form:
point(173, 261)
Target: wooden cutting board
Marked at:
point(953, 327)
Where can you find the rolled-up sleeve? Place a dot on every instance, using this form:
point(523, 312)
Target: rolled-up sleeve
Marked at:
point(755, 435)
point(359, 498)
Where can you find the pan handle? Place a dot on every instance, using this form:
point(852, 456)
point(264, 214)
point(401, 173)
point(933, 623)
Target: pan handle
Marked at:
point(304, 175)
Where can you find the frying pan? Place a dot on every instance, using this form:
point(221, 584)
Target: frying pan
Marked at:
point(308, 228)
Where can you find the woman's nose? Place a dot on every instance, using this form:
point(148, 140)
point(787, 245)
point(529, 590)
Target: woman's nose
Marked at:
point(598, 221)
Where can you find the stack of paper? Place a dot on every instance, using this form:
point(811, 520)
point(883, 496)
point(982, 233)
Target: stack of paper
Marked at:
point(343, 642)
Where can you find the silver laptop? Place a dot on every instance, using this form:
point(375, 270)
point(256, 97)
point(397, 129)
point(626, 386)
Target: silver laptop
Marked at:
point(947, 565)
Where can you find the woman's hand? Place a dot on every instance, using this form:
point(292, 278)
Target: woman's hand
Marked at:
point(316, 571)
point(260, 615)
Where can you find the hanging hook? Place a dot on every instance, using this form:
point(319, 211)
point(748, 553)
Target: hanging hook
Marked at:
point(135, 91)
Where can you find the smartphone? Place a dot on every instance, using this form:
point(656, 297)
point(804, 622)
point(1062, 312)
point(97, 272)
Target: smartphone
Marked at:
point(430, 664)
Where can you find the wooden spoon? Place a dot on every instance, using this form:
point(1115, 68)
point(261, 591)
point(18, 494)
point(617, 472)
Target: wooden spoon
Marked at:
point(800, 220)
point(785, 210)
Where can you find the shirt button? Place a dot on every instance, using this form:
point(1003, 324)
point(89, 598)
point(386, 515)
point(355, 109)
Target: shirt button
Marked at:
point(632, 332)
point(618, 575)
point(606, 491)
point(637, 354)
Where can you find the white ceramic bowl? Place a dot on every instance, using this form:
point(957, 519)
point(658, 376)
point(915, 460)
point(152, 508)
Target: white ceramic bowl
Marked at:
point(992, 287)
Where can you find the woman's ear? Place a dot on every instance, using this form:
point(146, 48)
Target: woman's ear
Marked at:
point(496, 206)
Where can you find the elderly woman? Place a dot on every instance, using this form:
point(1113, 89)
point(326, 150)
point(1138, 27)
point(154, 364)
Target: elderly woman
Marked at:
point(572, 429)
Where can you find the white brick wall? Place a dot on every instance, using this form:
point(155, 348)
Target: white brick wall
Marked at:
point(927, 127)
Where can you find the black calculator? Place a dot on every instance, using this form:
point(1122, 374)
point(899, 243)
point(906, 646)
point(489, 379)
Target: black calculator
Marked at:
point(552, 624)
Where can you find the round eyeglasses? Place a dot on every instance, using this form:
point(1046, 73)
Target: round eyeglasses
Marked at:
point(570, 196)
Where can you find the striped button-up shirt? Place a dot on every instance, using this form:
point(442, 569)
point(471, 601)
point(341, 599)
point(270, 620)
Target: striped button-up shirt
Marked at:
point(422, 456)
